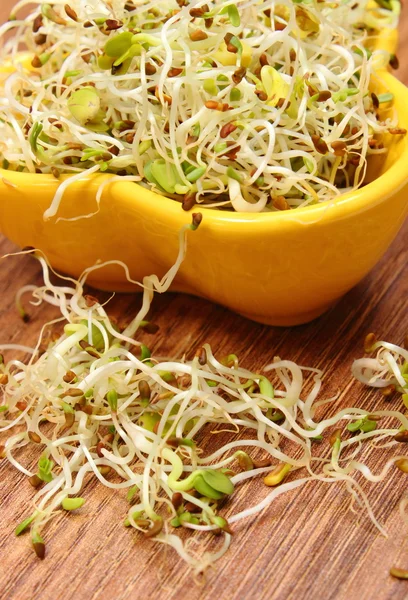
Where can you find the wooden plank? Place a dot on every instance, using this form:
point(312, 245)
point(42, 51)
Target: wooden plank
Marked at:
point(308, 544)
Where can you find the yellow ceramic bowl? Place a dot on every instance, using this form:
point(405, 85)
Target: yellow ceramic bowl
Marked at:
point(277, 268)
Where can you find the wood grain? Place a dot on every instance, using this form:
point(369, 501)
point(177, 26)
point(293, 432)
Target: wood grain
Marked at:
point(307, 545)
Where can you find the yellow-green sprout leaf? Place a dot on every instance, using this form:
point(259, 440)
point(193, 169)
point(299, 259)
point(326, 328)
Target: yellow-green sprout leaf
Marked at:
point(274, 84)
point(119, 44)
point(72, 503)
point(84, 104)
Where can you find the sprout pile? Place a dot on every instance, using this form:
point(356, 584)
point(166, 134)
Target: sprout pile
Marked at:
point(93, 401)
point(248, 105)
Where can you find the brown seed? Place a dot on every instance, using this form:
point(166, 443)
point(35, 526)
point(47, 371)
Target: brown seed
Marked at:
point(336, 435)
point(201, 354)
point(112, 24)
point(55, 172)
point(2, 451)
point(394, 62)
point(374, 98)
point(177, 500)
point(263, 96)
point(292, 54)
point(199, 12)
point(245, 462)
point(402, 436)
point(70, 12)
point(88, 24)
point(198, 35)
point(281, 102)
point(175, 72)
point(167, 99)
point(34, 437)
point(227, 129)
point(399, 573)
point(320, 144)
point(280, 203)
point(261, 464)
point(150, 69)
point(144, 390)
point(263, 59)
point(129, 137)
point(155, 529)
point(40, 39)
point(99, 447)
point(402, 464)
point(69, 420)
point(36, 62)
point(87, 56)
point(323, 96)
point(89, 349)
point(189, 201)
point(397, 131)
point(39, 549)
point(69, 377)
point(35, 481)
point(213, 105)
point(406, 342)
point(72, 392)
point(339, 148)
point(37, 23)
point(197, 218)
point(192, 508)
point(388, 391)
point(238, 75)
point(21, 405)
point(280, 26)
point(208, 23)
point(129, 6)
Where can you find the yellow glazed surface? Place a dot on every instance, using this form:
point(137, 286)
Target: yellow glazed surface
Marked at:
point(277, 268)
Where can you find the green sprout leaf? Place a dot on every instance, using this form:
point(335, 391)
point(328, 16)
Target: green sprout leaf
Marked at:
point(23, 526)
point(72, 503)
point(84, 104)
point(45, 466)
point(218, 481)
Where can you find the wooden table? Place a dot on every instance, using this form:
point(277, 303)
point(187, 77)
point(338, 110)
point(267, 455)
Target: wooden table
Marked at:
point(308, 544)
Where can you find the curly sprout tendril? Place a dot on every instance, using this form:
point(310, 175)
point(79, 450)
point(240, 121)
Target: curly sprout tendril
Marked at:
point(94, 401)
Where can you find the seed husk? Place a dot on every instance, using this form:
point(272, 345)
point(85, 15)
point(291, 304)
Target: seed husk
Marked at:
point(177, 500)
point(202, 356)
point(369, 341)
point(35, 481)
point(227, 129)
point(155, 529)
point(397, 131)
point(189, 201)
point(238, 75)
point(144, 391)
point(280, 203)
point(320, 144)
point(198, 35)
point(402, 436)
point(388, 391)
point(69, 377)
point(261, 464)
point(21, 405)
point(402, 464)
point(336, 435)
point(3, 379)
point(323, 96)
point(40, 39)
point(70, 12)
point(37, 23)
point(399, 573)
point(34, 437)
point(394, 62)
point(2, 451)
